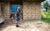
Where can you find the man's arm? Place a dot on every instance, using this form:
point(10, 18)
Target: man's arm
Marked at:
point(15, 15)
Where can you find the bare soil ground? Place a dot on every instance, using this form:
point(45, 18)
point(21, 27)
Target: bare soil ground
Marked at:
point(31, 25)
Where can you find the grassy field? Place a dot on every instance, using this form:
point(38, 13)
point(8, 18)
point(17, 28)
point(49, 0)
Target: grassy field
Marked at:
point(45, 16)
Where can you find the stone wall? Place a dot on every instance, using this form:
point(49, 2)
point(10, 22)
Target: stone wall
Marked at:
point(31, 10)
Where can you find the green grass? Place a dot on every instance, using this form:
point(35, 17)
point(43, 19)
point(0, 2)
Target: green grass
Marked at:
point(45, 16)
point(45, 19)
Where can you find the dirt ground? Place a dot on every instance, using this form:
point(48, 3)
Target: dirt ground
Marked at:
point(31, 25)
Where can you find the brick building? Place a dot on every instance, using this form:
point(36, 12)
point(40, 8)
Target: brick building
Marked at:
point(31, 9)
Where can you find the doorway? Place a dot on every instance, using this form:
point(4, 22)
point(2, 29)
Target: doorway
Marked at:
point(14, 7)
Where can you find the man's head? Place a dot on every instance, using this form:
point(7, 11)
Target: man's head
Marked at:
point(18, 8)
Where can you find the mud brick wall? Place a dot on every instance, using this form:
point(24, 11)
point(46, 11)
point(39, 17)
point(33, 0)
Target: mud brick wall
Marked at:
point(0, 10)
point(38, 11)
point(31, 10)
point(7, 11)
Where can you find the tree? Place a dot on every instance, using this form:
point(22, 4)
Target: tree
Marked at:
point(46, 5)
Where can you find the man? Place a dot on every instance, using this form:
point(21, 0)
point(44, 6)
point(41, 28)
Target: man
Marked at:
point(17, 17)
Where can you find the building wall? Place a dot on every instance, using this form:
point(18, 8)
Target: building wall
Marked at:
point(31, 10)
point(0, 10)
point(6, 10)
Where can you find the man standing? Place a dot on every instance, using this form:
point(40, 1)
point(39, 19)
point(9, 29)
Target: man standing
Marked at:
point(17, 17)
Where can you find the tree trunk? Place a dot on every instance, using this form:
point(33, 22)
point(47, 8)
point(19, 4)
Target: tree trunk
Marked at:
point(46, 9)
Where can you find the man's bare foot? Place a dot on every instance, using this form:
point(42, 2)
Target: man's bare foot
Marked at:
point(17, 25)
